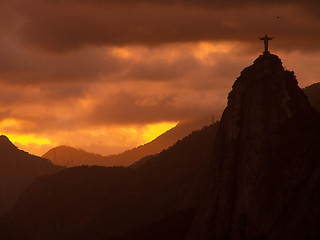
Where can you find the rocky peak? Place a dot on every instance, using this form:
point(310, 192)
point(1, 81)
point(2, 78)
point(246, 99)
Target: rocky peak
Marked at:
point(265, 160)
point(264, 97)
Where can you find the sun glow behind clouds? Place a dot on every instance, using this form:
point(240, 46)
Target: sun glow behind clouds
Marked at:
point(122, 52)
point(115, 139)
point(77, 121)
point(9, 123)
point(29, 139)
point(8, 127)
point(152, 131)
point(205, 48)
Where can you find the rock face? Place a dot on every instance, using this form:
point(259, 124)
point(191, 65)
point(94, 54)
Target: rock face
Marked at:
point(265, 170)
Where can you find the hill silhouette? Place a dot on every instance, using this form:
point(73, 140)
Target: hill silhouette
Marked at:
point(18, 169)
point(313, 94)
point(116, 202)
point(70, 157)
point(264, 176)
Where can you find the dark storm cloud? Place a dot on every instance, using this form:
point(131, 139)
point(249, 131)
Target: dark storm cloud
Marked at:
point(68, 25)
point(4, 115)
point(48, 95)
point(21, 66)
point(206, 3)
point(161, 69)
point(63, 93)
point(56, 72)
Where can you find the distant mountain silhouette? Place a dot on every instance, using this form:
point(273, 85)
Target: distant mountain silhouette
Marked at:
point(264, 177)
point(70, 157)
point(18, 169)
point(116, 202)
point(313, 94)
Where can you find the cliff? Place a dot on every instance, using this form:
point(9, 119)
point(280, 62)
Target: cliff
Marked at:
point(264, 177)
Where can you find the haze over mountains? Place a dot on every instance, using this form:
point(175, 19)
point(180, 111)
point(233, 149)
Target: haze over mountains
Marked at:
point(262, 181)
point(68, 156)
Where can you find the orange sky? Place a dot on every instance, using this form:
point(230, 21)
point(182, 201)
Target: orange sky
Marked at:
point(108, 76)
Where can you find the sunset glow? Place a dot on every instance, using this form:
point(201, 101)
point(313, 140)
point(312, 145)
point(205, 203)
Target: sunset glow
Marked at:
point(108, 87)
point(152, 131)
point(205, 48)
point(118, 138)
point(29, 139)
point(159, 119)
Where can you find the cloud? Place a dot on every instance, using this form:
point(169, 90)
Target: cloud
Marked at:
point(22, 66)
point(50, 94)
point(80, 71)
point(169, 83)
point(161, 69)
point(62, 26)
point(166, 63)
point(125, 108)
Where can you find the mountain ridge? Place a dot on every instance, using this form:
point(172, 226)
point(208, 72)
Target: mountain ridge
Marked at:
point(313, 94)
point(18, 169)
point(69, 157)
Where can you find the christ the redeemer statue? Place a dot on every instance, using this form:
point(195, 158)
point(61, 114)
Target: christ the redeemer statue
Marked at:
point(266, 43)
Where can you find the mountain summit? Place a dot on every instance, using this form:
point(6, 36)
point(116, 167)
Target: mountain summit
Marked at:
point(18, 169)
point(265, 170)
point(6, 144)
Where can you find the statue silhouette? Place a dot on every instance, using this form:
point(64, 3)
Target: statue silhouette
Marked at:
point(266, 43)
